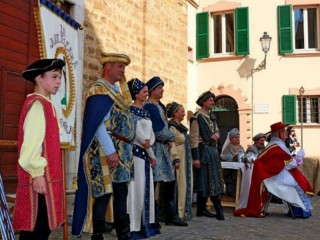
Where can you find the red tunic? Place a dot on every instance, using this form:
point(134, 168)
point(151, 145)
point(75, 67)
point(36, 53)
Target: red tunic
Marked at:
point(269, 163)
point(26, 207)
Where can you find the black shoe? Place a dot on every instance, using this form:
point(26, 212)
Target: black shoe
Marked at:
point(206, 213)
point(97, 237)
point(156, 225)
point(176, 222)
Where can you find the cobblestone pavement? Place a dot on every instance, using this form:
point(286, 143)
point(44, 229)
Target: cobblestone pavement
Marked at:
point(275, 226)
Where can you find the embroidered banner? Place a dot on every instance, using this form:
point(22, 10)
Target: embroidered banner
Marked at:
point(59, 39)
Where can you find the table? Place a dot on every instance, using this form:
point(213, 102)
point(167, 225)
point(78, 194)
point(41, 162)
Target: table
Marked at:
point(242, 186)
point(311, 170)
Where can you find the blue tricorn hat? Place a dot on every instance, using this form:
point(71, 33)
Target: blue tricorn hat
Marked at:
point(41, 66)
point(153, 83)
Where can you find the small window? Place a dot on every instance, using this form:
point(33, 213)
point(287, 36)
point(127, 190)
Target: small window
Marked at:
point(310, 109)
point(295, 111)
point(305, 29)
point(223, 33)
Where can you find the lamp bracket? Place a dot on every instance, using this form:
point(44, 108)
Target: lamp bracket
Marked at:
point(262, 65)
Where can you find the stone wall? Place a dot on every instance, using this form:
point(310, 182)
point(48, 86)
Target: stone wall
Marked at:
point(153, 33)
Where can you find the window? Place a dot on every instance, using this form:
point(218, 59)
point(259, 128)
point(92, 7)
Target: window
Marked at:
point(305, 28)
point(310, 109)
point(298, 29)
point(223, 34)
point(292, 109)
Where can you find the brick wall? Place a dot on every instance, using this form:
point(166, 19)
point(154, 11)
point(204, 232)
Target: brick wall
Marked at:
point(153, 33)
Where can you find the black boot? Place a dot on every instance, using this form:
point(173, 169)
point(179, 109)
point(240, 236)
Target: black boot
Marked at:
point(123, 228)
point(201, 207)
point(98, 229)
point(218, 207)
point(96, 236)
point(171, 216)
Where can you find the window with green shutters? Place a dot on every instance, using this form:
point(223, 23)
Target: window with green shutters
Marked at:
point(289, 109)
point(229, 31)
point(242, 31)
point(285, 29)
point(202, 35)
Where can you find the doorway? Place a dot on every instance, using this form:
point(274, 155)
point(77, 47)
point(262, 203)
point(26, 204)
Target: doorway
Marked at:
point(226, 111)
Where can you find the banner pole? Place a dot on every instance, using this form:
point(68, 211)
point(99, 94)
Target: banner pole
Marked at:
point(65, 205)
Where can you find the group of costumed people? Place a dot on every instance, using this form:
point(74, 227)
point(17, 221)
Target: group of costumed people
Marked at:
point(128, 150)
point(269, 170)
point(132, 145)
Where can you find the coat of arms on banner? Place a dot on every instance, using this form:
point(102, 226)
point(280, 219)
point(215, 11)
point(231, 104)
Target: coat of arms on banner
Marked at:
point(59, 39)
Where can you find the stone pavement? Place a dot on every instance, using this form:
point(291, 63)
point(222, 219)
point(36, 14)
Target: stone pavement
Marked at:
point(275, 226)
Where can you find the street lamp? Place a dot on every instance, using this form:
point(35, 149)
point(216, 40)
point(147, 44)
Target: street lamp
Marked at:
point(301, 92)
point(265, 41)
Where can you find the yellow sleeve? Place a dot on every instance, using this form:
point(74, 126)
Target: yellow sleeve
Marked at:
point(34, 132)
point(194, 134)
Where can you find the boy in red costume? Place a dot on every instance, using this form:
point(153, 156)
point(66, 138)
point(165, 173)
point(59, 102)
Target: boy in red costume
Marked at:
point(38, 208)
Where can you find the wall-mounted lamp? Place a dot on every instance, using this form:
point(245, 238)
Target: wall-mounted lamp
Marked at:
point(265, 41)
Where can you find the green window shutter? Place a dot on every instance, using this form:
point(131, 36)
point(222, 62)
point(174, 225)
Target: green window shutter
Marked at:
point(285, 29)
point(242, 30)
point(289, 109)
point(202, 35)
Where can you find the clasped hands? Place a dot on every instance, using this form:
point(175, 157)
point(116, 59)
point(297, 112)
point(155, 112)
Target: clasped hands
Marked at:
point(299, 157)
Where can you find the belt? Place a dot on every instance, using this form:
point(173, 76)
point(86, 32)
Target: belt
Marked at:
point(119, 137)
point(210, 144)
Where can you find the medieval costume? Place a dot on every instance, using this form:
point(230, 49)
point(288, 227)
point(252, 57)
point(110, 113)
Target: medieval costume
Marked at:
point(181, 152)
point(255, 149)
point(163, 172)
point(107, 128)
point(208, 179)
point(141, 192)
point(277, 170)
point(39, 155)
point(231, 153)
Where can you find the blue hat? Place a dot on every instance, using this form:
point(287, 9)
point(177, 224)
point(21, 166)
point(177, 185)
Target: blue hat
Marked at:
point(135, 85)
point(41, 66)
point(154, 82)
point(204, 96)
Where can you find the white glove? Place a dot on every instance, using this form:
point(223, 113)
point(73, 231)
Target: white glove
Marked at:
point(300, 153)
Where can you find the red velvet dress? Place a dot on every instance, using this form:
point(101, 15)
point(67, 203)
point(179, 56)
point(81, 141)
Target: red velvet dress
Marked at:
point(26, 207)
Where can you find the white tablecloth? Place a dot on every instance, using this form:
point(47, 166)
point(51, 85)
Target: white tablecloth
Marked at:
point(245, 180)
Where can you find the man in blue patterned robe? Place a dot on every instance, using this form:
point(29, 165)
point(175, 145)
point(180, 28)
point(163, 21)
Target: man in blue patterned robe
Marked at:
point(163, 172)
point(105, 164)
